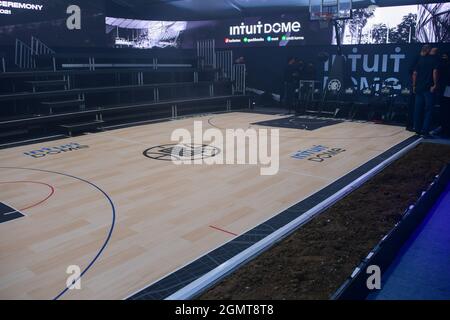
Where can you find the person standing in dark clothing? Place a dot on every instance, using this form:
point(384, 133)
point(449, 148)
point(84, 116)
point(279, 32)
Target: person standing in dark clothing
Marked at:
point(301, 70)
point(412, 96)
point(311, 72)
point(291, 76)
point(444, 79)
point(425, 81)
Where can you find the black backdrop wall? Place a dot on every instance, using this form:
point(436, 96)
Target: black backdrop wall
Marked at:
point(365, 63)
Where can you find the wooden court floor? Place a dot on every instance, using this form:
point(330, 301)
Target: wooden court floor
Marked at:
point(130, 220)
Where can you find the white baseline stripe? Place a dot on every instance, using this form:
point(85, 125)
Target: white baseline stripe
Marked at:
point(214, 276)
point(8, 213)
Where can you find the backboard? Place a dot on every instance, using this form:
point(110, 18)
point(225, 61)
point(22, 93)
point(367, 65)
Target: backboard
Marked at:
point(330, 9)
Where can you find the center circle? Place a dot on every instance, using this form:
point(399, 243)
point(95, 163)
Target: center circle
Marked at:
point(182, 152)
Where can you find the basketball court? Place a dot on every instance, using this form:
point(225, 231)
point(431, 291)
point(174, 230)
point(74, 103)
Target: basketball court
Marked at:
point(160, 150)
point(138, 226)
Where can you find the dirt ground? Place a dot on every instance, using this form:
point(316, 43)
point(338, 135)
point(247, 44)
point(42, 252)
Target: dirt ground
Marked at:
point(316, 260)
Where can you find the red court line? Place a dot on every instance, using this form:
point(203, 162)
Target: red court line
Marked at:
point(52, 192)
point(231, 233)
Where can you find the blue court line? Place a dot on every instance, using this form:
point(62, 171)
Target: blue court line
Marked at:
point(109, 233)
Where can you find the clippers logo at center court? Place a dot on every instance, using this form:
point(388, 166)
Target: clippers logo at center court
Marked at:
point(181, 152)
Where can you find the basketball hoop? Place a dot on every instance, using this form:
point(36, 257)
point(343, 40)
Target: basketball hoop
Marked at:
point(324, 18)
point(329, 10)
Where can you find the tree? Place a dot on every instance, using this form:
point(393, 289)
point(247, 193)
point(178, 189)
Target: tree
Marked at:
point(358, 22)
point(379, 33)
point(405, 32)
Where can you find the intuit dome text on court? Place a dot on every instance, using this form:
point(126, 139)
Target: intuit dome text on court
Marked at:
point(21, 5)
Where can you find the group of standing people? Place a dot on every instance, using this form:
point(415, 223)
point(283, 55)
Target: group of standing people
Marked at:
point(431, 86)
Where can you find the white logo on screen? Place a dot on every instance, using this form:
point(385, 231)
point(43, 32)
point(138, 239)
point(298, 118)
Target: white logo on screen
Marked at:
point(266, 28)
point(334, 85)
point(18, 5)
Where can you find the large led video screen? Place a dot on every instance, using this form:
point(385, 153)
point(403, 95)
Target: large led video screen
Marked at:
point(46, 19)
point(424, 23)
point(282, 30)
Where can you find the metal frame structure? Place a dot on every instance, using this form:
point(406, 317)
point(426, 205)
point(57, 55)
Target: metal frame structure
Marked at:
point(224, 62)
point(239, 80)
point(24, 57)
point(39, 48)
point(206, 52)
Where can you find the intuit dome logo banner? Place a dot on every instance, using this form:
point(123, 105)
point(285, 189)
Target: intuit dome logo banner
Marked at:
point(372, 66)
point(266, 28)
point(280, 31)
point(10, 7)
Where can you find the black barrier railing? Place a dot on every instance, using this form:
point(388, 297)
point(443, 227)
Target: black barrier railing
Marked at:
point(40, 48)
point(355, 288)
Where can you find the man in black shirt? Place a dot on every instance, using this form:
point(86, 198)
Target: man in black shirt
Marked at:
point(412, 96)
point(425, 79)
point(310, 72)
